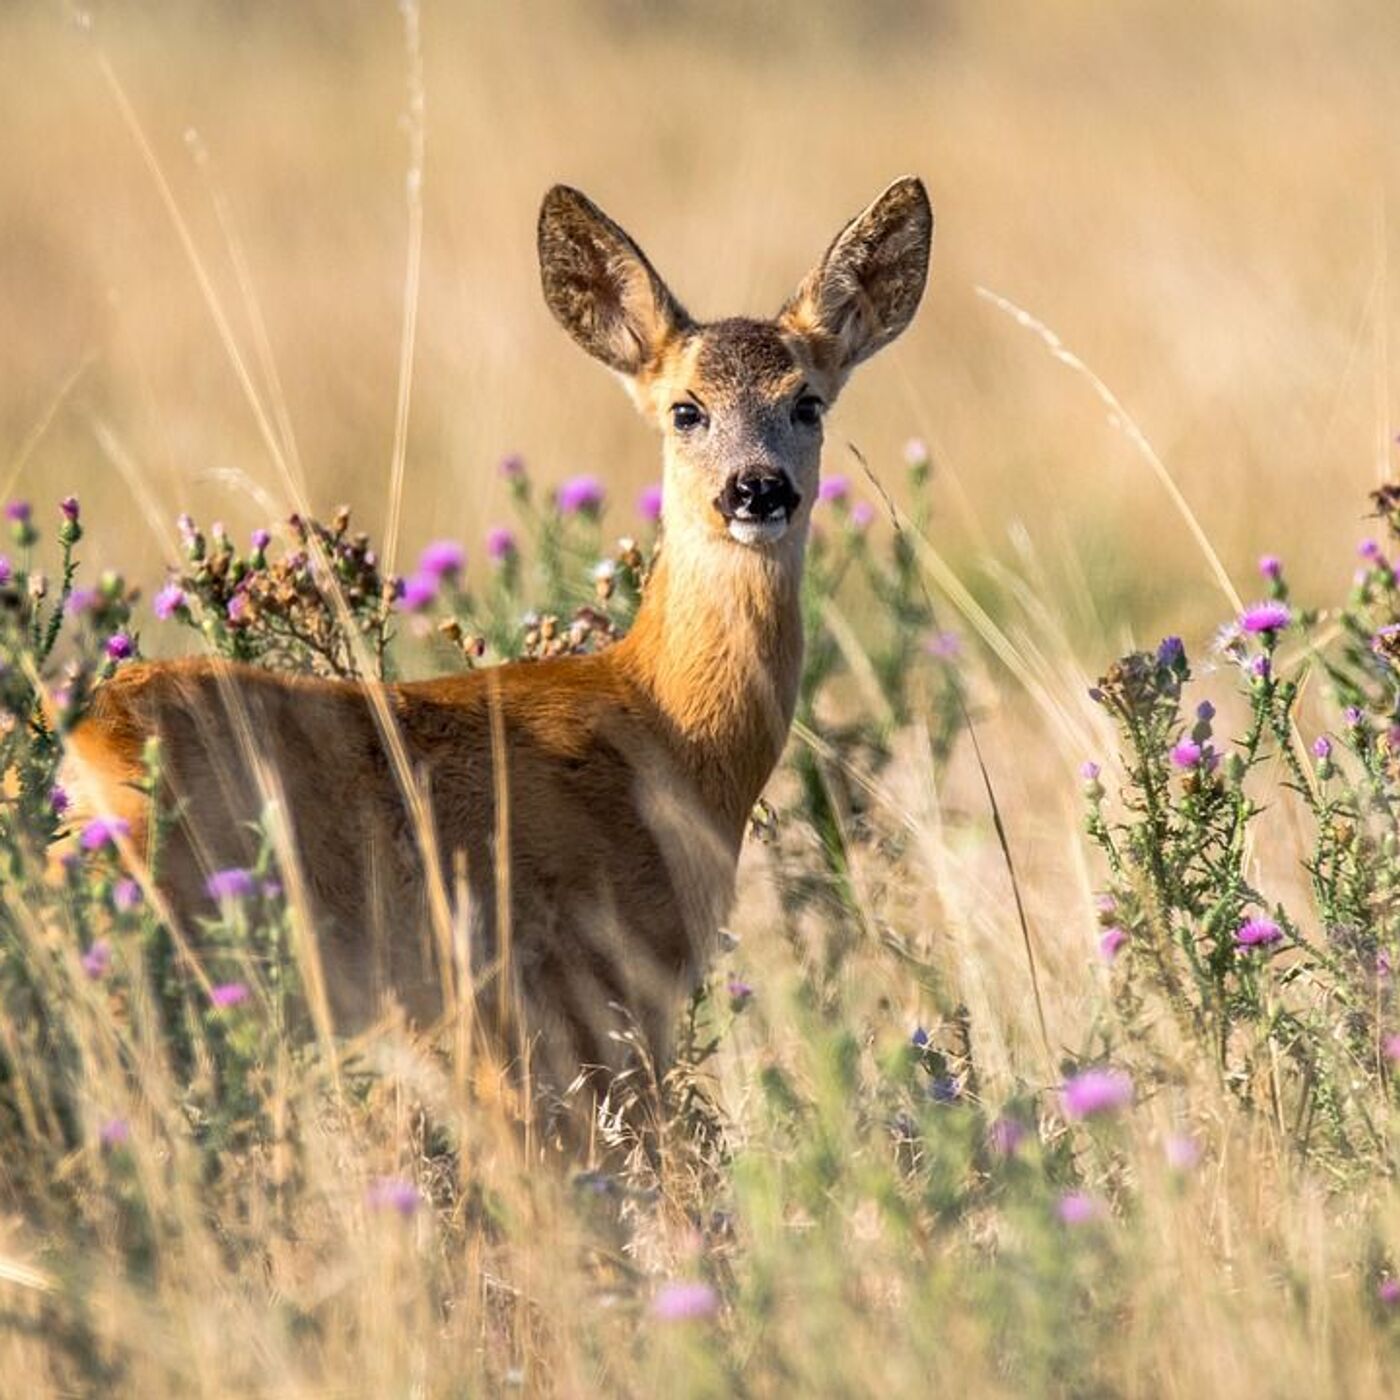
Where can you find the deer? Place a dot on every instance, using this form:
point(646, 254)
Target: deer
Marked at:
point(595, 805)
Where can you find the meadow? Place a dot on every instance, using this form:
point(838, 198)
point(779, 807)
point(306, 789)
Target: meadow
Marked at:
point(1050, 1046)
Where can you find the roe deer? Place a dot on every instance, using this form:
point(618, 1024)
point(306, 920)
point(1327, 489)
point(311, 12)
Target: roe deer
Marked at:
point(627, 775)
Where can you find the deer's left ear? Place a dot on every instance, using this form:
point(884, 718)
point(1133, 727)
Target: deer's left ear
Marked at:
point(866, 288)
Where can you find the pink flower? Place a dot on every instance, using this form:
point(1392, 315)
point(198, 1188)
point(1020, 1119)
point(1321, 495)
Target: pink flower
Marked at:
point(684, 1301)
point(119, 646)
point(1258, 933)
point(1079, 1208)
point(1388, 1291)
point(1006, 1135)
point(233, 883)
point(946, 646)
point(97, 961)
point(1111, 942)
point(126, 895)
point(834, 490)
point(1271, 566)
point(580, 495)
point(740, 993)
point(443, 559)
point(1093, 1092)
point(862, 515)
point(1272, 616)
point(1390, 1048)
point(513, 466)
point(394, 1193)
point(102, 832)
point(916, 452)
point(418, 592)
point(168, 601)
point(114, 1133)
point(1186, 754)
point(1182, 1152)
point(649, 503)
point(228, 994)
point(59, 801)
point(500, 544)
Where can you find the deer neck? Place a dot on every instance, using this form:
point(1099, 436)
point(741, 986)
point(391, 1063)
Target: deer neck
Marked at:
point(717, 648)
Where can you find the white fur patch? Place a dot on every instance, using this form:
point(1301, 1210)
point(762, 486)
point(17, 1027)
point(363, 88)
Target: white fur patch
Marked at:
point(753, 532)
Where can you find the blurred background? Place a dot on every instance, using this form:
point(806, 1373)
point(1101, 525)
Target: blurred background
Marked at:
point(1200, 200)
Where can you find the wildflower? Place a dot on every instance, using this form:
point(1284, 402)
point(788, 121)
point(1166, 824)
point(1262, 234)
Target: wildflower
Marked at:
point(1186, 754)
point(1388, 1291)
point(945, 1088)
point(261, 539)
point(97, 961)
point(684, 1301)
point(1322, 747)
point(80, 601)
point(238, 609)
point(114, 1133)
point(1171, 653)
point(1261, 668)
point(1182, 1152)
point(418, 592)
point(740, 994)
point(168, 601)
point(102, 832)
point(1390, 1048)
point(916, 453)
point(513, 466)
point(580, 495)
point(7, 571)
point(1267, 617)
point(1353, 716)
point(443, 559)
point(1078, 1208)
point(1106, 905)
point(944, 645)
point(18, 512)
point(119, 646)
point(1205, 712)
point(649, 503)
point(834, 490)
point(1369, 549)
point(1096, 1091)
point(500, 544)
point(233, 883)
point(69, 506)
point(1006, 1135)
point(1271, 567)
point(394, 1193)
point(862, 515)
point(228, 994)
point(1383, 967)
point(919, 1039)
point(126, 895)
point(1089, 771)
point(59, 801)
point(1111, 942)
point(1258, 933)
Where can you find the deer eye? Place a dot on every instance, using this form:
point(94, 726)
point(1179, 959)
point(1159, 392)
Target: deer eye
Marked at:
point(685, 416)
point(808, 411)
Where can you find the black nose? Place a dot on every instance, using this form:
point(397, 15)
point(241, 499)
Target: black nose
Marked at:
point(756, 494)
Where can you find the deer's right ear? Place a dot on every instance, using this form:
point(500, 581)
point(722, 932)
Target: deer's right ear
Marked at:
point(600, 286)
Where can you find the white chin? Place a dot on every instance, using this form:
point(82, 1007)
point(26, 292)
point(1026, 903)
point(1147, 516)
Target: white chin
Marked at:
point(758, 531)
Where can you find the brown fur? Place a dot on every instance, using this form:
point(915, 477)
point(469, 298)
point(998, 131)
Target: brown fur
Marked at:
point(630, 774)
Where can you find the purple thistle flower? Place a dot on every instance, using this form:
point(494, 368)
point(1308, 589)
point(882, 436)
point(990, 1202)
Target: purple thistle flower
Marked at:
point(684, 1301)
point(916, 452)
point(126, 895)
point(649, 503)
point(1322, 747)
point(119, 646)
point(18, 512)
point(102, 832)
point(1089, 771)
point(237, 609)
point(1078, 1208)
point(1096, 1091)
point(1111, 942)
point(512, 466)
point(69, 506)
point(233, 883)
point(261, 539)
point(740, 993)
point(1186, 754)
point(228, 994)
point(97, 961)
point(1106, 905)
point(946, 646)
point(1205, 712)
point(80, 601)
point(1369, 549)
point(1271, 567)
point(442, 559)
point(1390, 1048)
point(500, 544)
point(394, 1193)
point(834, 490)
point(862, 515)
point(919, 1039)
point(1388, 1291)
point(1353, 716)
point(1171, 653)
point(168, 601)
point(1258, 932)
point(59, 801)
point(113, 1133)
point(1261, 668)
point(1006, 1135)
point(580, 495)
point(418, 592)
point(1182, 1152)
point(1272, 616)
point(6, 570)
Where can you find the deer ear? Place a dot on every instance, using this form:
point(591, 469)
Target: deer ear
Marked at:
point(600, 286)
point(866, 288)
